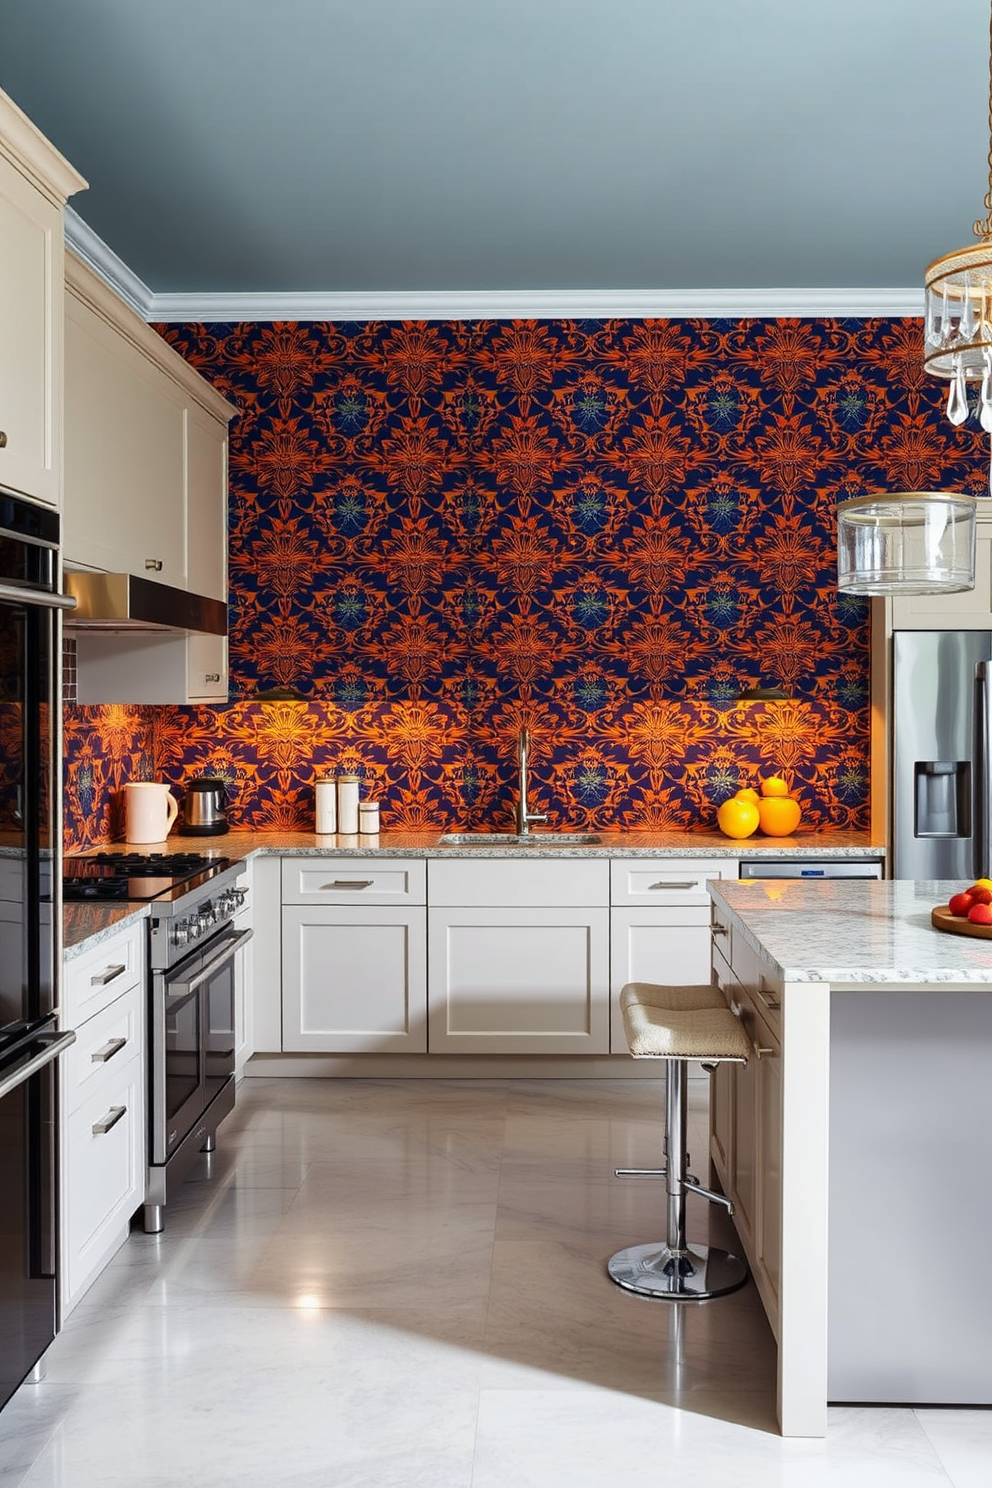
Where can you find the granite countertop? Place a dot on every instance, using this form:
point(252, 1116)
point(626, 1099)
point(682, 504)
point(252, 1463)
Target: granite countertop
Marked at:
point(856, 932)
point(611, 845)
point(84, 923)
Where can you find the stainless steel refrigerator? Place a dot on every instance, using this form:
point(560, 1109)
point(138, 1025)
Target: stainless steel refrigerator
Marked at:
point(940, 775)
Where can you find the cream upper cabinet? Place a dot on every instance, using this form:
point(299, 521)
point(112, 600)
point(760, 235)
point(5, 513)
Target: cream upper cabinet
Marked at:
point(34, 183)
point(124, 448)
point(206, 547)
point(971, 610)
point(145, 492)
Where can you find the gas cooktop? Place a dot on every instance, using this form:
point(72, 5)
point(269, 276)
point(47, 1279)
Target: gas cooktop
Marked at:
point(136, 876)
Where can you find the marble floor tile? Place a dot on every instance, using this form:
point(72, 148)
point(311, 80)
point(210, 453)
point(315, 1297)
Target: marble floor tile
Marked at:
point(585, 1438)
point(389, 1284)
point(962, 1440)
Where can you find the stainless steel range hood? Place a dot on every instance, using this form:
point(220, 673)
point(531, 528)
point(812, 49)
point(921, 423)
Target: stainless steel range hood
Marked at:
point(123, 602)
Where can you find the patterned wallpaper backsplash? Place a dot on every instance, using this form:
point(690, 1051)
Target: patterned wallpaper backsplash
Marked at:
point(443, 531)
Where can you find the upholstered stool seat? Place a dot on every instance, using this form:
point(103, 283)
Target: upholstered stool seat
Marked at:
point(677, 1024)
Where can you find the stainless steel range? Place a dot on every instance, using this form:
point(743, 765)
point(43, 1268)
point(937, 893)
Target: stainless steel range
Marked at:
point(198, 905)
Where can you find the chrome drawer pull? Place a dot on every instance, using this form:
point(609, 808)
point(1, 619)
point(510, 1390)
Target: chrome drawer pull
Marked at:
point(110, 975)
point(687, 883)
point(212, 677)
point(761, 1052)
point(153, 565)
point(351, 883)
point(718, 929)
point(769, 999)
point(100, 1056)
point(101, 1128)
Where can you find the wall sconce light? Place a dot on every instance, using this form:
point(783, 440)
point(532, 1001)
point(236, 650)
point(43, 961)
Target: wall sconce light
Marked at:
point(277, 695)
point(773, 694)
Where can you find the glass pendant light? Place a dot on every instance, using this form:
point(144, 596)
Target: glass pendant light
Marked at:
point(923, 542)
point(906, 542)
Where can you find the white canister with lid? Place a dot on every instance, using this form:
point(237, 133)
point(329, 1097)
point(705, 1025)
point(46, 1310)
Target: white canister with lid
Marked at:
point(326, 804)
point(368, 817)
point(348, 804)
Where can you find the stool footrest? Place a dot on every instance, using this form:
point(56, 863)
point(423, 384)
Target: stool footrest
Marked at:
point(708, 1193)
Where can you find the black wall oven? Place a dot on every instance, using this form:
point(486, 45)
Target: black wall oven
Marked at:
point(30, 1042)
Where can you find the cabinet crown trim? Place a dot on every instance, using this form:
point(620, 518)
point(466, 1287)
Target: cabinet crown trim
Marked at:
point(86, 286)
point(27, 148)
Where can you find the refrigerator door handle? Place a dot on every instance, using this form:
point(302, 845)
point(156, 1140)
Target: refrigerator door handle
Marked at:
point(982, 803)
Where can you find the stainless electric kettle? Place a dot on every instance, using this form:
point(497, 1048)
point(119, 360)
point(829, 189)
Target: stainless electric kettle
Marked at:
point(204, 813)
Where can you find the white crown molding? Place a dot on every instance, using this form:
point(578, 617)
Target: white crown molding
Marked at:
point(561, 304)
point(538, 304)
point(90, 247)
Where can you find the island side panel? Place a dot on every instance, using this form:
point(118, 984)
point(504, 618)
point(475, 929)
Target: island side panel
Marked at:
point(802, 1329)
point(910, 1315)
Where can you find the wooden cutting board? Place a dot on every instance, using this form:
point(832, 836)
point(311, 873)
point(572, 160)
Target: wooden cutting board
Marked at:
point(942, 919)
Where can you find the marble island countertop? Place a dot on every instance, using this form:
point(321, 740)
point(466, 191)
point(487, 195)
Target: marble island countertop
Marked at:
point(858, 933)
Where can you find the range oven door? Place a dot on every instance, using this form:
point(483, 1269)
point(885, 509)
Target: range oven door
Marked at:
point(193, 1042)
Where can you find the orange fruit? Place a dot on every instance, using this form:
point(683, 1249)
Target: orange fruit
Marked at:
point(774, 786)
point(737, 818)
point(747, 794)
point(778, 816)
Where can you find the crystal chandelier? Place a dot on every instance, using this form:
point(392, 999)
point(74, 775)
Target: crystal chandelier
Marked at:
point(923, 542)
point(957, 323)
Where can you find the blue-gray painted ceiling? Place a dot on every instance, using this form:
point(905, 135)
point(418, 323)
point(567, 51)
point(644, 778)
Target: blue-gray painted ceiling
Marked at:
point(328, 145)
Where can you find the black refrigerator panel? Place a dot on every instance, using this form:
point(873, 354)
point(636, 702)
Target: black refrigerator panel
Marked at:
point(27, 1212)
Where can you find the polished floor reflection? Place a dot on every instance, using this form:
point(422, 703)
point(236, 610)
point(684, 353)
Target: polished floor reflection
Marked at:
point(388, 1284)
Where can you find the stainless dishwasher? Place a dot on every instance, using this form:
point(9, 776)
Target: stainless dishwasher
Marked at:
point(811, 868)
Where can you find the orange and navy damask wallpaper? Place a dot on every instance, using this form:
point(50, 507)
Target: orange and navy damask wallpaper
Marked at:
point(443, 531)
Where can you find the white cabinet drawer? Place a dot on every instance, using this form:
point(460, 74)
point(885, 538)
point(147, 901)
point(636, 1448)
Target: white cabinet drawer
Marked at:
point(353, 881)
point(104, 1043)
point(97, 977)
point(103, 1174)
point(666, 882)
point(544, 882)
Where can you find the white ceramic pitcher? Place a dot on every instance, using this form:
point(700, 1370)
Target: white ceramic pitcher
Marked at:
point(149, 811)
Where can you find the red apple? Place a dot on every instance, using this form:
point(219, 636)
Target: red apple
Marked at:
point(959, 904)
point(980, 914)
point(979, 895)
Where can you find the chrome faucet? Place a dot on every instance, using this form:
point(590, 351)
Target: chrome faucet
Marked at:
point(524, 817)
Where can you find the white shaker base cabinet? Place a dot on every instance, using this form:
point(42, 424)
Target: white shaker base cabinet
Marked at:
point(102, 1106)
point(353, 981)
point(660, 926)
point(518, 958)
point(354, 956)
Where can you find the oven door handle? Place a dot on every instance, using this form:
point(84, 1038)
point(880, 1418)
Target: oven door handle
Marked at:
point(41, 597)
point(53, 1045)
point(179, 989)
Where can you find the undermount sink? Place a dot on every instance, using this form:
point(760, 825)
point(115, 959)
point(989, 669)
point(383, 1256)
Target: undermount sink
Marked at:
point(518, 839)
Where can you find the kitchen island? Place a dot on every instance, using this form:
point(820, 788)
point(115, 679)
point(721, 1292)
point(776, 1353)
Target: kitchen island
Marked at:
point(856, 1141)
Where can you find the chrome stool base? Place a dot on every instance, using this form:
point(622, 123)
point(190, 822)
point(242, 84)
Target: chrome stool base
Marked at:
point(691, 1275)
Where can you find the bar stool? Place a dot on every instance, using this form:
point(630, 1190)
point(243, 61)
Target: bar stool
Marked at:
point(677, 1024)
